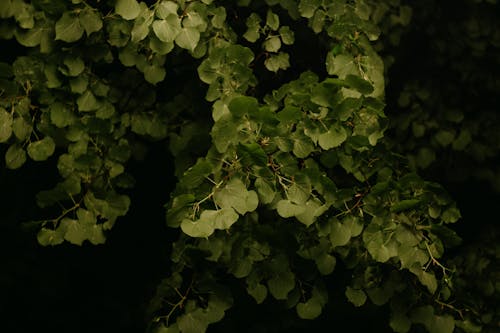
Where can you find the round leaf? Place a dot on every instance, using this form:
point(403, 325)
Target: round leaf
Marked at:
point(42, 149)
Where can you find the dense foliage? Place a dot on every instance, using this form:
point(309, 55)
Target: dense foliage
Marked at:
point(289, 170)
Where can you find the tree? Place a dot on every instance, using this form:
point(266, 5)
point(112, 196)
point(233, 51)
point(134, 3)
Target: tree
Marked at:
point(287, 166)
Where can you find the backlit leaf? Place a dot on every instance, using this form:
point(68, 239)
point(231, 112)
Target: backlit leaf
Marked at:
point(310, 309)
point(188, 38)
point(5, 125)
point(15, 156)
point(42, 149)
point(128, 9)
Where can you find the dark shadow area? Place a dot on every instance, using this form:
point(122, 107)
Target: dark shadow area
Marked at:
point(90, 288)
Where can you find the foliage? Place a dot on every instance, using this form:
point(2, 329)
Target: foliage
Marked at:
point(280, 174)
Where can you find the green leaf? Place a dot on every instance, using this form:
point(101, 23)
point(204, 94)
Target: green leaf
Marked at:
point(196, 175)
point(400, 323)
point(68, 28)
point(168, 29)
point(334, 137)
point(188, 38)
point(275, 62)
point(235, 195)
point(356, 296)
point(74, 232)
point(15, 156)
point(310, 309)
point(281, 284)
point(42, 149)
point(6, 120)
point(21, 128)
point(90, 20)
point(405, 205)
point(243, 105)
point(203, 227)
point(287, 35)
point(193, 322)
point(60, 115)
point(340, 234)
point(272, 44)
point(253, 28)
point(341, 65)
point(50, 237)
point(87, 102)
point(308, 7)
point(128, 9)
point(251, 154)
point(359, 84)
point(154, 74)
point(265, 190)
point(451, 215)
point(325, 263)
point(428, 279)
point(287, 208)
point(75, 65)
point(224, 218)
point(258, 292)
point(272, 20)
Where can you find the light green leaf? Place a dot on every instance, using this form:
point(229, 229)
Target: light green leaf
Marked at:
point(128, 9)
point(188, 38)
point(310, 309)
point(272, 20)
point(287, 208)
point(6, 120)
point(428, 279)
point(334, 137)
point(203, 227)
point(154, 74)
point(31, 37)
point(42, 149)
point(287, 35)
point(341, 65)
point(275, 62)
point(68, 28)
point(140, 29)
point(253, 28)
point(168, 29)
point(74, 232)
point(340, 234)
point(166, 8)
point(87, 102)
point(235, 195)
point(308, 7)
point(225, 218)
point(50, 237)
point(90, 20)
point(15, 156)
point(356, 296)
point(272, 44)
point(281, 284)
